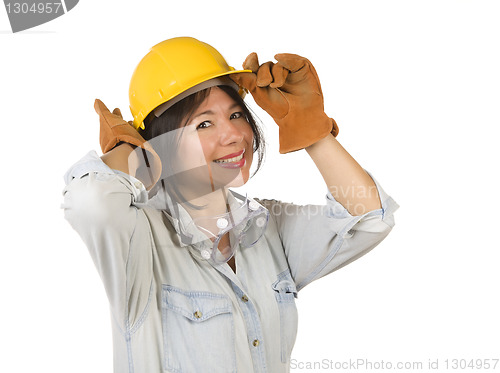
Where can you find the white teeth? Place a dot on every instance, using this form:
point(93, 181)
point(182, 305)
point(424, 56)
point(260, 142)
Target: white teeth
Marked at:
point(230, 160)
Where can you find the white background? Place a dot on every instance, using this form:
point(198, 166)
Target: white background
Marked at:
point(415, 89)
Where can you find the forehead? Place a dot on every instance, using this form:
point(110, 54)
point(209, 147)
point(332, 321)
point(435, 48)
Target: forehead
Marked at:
point(216, 99)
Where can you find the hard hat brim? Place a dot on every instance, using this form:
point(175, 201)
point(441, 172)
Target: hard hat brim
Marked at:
point(173, 99)
point(220, 80)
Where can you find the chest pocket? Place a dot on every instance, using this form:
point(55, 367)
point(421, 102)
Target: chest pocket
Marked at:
point(285, 293)
point(198, 331)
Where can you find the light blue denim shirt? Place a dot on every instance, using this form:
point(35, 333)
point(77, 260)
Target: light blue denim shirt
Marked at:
point(173, 311)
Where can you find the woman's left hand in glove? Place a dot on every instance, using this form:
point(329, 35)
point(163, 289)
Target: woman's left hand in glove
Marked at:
point(290, 92)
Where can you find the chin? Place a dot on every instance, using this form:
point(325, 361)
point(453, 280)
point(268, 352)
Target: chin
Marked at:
point(230, 177)
point(240, 180)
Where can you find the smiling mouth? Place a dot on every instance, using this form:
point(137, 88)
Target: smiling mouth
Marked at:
point(231, 160)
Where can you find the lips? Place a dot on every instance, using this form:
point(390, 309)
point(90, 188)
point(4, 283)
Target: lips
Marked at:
point(231, 156)
point(233, 160)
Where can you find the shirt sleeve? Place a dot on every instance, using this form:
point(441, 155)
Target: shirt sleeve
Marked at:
point(103, 206)
point(319, 239)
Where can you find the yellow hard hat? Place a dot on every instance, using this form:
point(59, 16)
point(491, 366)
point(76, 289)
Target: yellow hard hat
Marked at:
point(171, 68)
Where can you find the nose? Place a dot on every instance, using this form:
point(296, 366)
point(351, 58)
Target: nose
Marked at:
point(230, 133)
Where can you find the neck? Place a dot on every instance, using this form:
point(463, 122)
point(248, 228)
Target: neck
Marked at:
point(214, 203)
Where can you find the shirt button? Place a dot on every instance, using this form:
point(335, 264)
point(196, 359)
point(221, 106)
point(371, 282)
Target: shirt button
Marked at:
point(222, 223)
point(253, 206)
point(260, 222)
point(244, 298)
point(255, 342)
point(197, 314)
point(205, 254)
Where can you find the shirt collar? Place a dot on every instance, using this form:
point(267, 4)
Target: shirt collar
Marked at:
point(181, 220)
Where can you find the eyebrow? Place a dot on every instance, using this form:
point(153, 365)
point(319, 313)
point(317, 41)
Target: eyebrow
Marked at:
point(210, 112)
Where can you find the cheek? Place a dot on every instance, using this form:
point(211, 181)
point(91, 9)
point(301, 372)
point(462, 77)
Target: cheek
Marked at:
point(192, 152)
point(249, 152)
point(249, 136)
point(248, 133)
point(208, 150)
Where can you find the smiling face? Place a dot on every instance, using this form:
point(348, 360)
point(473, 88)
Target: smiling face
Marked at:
point(216, 144)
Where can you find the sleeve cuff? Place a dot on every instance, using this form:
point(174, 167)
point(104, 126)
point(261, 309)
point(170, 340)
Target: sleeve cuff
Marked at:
point(91, 162)
point(345, 221)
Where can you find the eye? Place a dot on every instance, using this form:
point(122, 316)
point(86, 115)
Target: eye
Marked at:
point(236, 115)
point(204, 124)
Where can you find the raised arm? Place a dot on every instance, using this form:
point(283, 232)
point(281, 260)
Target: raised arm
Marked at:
point(290, 92)
point(347, 181)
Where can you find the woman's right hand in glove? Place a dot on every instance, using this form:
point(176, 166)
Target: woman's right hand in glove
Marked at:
point(118, 139)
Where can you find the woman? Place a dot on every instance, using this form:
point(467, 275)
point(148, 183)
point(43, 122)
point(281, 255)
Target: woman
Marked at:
point(199, 278)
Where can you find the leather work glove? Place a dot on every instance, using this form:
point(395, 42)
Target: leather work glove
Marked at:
point(114, 129)
point(290, 92)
